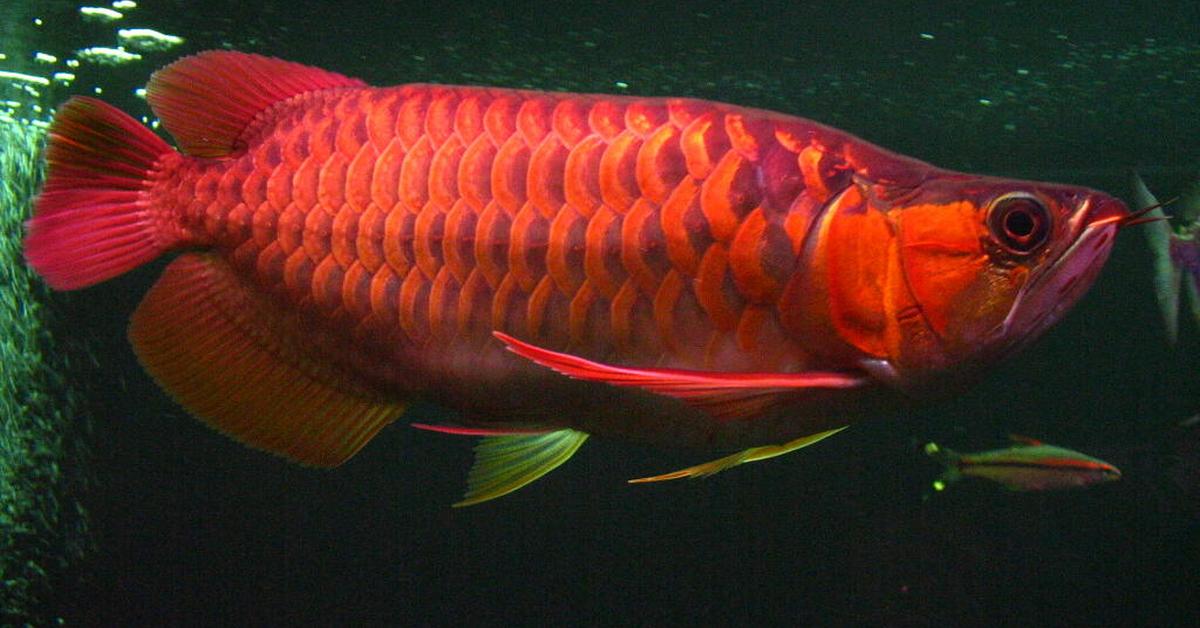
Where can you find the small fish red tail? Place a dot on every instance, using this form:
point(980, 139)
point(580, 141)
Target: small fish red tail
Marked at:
point(94, 219)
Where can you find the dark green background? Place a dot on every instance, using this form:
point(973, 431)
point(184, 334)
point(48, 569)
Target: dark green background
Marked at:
point(194, 529)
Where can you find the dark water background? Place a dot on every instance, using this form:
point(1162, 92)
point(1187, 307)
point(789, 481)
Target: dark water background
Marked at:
point(194, 529)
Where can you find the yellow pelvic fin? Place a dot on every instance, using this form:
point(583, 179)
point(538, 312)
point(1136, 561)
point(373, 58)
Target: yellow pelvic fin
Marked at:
point(749, 455)
point(504, 464)
point(236, 361)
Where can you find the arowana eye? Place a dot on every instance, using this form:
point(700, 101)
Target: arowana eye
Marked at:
point(1020, 224)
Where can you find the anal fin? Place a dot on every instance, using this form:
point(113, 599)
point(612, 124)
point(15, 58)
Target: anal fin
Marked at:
point(752, 454)
point(504, 464)
point(233, 359)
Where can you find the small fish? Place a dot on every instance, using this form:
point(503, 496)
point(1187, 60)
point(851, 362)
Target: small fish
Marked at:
point(1176, 251)
point(1029, 465)
point(551, 266)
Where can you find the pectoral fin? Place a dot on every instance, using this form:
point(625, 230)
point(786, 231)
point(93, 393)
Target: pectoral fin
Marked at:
point(749, 455)
point(504, 464)
point(725, 395)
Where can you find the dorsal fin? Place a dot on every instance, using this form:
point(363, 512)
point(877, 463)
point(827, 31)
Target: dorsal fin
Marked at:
point(207, 100)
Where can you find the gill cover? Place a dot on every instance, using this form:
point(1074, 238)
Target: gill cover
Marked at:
point(964, 261)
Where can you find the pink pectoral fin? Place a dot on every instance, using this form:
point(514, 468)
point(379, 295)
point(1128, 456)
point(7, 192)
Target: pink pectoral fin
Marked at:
point(725, 395)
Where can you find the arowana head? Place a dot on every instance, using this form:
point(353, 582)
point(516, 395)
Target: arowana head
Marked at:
point(991, 264)
point(958, 271)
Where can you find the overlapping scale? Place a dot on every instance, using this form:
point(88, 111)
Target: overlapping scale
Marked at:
point(642, 230)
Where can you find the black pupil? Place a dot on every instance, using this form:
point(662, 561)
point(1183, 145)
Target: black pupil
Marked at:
point(1020, 224)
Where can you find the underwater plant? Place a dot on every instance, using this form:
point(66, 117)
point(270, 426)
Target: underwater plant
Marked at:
point(43, 527)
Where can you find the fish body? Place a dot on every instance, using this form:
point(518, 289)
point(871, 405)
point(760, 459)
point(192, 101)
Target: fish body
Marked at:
point(1029, 465)
point(701, 273)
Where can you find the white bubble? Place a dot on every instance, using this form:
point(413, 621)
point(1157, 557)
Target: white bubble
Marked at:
point(146, 39)
point(24, 78)
point(101, 55)
point(99, 14)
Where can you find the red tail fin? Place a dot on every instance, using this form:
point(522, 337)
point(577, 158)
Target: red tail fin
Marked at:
point(94, 220)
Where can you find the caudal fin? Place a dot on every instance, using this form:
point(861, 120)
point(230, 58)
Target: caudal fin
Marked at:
point(94, 219)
